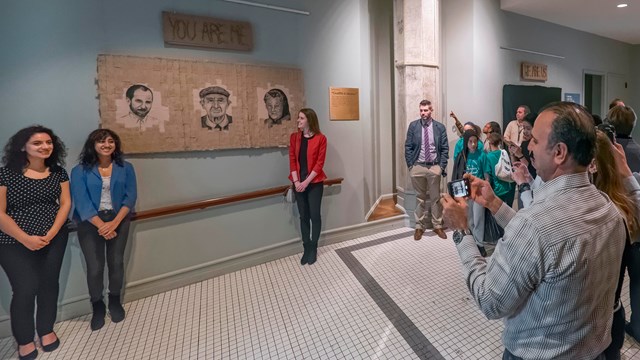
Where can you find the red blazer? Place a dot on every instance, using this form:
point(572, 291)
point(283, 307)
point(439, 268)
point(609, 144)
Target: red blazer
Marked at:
point(316, 152)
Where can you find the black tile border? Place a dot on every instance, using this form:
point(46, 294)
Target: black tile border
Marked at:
point(407, 328)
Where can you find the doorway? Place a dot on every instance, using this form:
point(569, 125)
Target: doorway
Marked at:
point(594, 92)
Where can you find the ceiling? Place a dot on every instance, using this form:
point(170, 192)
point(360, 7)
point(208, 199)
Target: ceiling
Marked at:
point(600, 17)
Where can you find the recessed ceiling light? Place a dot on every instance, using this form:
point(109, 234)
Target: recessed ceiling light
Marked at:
point(622, 5)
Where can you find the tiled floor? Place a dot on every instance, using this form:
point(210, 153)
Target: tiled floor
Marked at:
point(384, 296)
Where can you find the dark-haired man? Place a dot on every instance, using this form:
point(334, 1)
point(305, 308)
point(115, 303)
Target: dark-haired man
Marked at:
point(553, 276)
point(426, 151)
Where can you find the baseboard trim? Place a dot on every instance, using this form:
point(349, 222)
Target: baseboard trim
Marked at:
point(79, 306)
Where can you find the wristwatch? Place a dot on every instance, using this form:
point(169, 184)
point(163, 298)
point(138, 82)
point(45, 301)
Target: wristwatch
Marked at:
point(459, 234)
point(524, 187)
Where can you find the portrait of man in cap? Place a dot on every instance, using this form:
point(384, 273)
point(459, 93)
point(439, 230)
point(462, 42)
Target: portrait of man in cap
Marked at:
point(215, 101)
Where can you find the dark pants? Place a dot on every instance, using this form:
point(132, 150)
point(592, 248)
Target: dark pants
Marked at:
point(633, 267)
point(34, 278)
point(509, 197)
point(309, 202)
point(93, 247)
point(509, 356)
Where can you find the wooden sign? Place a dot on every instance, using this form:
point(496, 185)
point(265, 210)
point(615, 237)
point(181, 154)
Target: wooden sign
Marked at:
point(344, 103)
point(206, 32)
point(533, 72)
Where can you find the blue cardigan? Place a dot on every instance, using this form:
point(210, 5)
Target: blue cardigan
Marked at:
point(86, 188)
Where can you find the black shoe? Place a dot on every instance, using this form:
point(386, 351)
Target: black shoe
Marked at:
point(30, 356)
point(51, 347)
point(313, 253)
point(305, 256)
point(99, 312)
point(115, 308)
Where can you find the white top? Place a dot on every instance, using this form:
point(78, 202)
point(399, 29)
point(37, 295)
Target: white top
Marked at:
point(105, 196)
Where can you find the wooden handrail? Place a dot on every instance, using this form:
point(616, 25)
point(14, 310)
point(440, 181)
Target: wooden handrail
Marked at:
point(198, 205)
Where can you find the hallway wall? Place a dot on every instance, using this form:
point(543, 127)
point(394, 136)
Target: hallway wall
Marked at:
point(476, 68)
point(48, 77)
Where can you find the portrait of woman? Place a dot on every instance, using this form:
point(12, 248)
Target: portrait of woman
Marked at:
point(307, 151)
point(103, 187)
point(34, 206)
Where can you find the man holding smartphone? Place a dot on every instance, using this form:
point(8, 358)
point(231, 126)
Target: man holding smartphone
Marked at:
point(553, 275)
point(426, 151)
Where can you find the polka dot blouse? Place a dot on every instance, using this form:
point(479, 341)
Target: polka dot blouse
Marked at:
point(32, 203)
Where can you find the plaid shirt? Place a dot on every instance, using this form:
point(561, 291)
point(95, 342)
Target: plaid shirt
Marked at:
point(553, 276)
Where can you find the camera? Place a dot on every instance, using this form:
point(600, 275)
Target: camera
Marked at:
point(459, 188)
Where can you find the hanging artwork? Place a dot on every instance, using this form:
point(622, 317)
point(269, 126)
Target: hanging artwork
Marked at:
point(168, 105)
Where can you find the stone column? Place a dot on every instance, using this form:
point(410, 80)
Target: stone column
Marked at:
point(417, 77)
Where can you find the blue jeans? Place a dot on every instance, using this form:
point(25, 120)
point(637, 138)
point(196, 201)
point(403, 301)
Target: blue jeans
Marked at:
point(96, 249)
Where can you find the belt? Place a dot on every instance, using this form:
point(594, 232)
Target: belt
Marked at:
point(426, 163)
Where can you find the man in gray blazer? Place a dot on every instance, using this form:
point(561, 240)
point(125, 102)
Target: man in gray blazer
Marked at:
point(426, 151)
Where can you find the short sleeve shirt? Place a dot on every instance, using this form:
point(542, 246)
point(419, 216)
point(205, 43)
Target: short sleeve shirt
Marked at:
point(32, 203)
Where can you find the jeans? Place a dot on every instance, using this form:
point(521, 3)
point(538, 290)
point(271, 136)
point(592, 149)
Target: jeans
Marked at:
point(309, 202)
point(34, 278)
point(93, 247)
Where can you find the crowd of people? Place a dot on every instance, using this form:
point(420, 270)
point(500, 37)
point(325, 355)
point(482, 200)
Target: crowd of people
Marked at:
point(556, 274)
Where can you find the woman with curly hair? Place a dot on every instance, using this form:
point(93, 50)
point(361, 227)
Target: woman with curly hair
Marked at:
point(34, 205)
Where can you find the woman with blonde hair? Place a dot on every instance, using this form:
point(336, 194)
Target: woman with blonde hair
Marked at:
point(607, 178)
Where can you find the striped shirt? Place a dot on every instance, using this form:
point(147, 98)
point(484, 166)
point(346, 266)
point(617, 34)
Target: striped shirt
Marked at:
point(553, 276)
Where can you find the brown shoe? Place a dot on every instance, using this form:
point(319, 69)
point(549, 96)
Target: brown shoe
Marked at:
point(418, 234)
point(440, 233)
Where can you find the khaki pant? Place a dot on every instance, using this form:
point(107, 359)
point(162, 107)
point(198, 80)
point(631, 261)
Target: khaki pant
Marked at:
point(426, 181)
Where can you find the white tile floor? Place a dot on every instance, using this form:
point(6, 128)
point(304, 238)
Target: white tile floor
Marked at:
point(281, 310)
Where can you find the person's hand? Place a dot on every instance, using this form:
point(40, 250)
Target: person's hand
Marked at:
point(110, 235)
point(301, 186)
point(34, 242)
point(515, 150)
point(621, 160)
point(482, 193)
point(454, 212)
point(108, 228)
point(521, 173)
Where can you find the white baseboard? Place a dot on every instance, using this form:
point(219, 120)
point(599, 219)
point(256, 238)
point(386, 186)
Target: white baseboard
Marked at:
point(78, 306)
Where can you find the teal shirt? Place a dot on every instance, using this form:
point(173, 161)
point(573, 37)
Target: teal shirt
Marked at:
point(499, 187)
point(460, 145)
point(476, 164)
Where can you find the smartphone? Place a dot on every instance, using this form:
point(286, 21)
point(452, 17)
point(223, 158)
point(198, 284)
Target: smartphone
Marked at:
point(459, 188)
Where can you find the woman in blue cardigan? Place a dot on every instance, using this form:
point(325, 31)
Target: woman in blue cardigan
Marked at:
point(103, 188)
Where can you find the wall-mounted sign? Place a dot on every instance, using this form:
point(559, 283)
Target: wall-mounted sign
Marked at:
point(344, 103)
point(572, 97)
point(533, 72)
point(206, 32)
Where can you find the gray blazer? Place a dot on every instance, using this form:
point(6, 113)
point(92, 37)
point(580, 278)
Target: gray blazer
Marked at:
point(414, 142)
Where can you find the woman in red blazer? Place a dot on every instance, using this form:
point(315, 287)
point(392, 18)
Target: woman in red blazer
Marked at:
point(307, 150)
